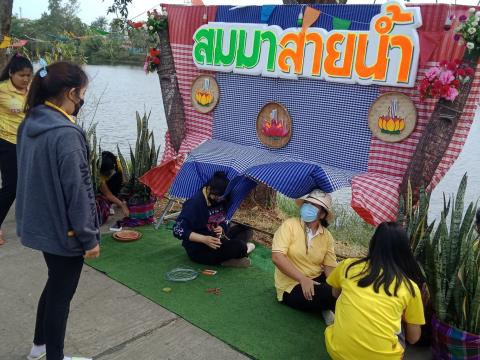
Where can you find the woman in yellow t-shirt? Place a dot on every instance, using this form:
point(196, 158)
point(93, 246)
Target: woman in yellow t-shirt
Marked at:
point(376, 294)
point(14, 81)
point(304, 255)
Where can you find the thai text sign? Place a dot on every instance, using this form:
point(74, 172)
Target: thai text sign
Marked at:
point(387, 54)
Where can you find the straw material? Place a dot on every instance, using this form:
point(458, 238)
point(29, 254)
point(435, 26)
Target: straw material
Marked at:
point(172, 100)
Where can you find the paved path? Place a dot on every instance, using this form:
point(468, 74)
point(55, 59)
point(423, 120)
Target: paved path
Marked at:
point(107, 321)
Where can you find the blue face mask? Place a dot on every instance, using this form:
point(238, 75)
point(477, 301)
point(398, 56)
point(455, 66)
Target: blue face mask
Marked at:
point(308, 212)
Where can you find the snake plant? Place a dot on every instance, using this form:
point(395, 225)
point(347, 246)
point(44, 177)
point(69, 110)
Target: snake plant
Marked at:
point(142, 158)
point(448, 256)
point(452, 264)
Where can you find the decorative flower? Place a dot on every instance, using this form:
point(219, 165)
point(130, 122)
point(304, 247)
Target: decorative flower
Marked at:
point(432, 73)
point(471, 11)
point(470, 45)
point(444, 81)
point(472, 30)
point(452, 93)
point(151, 28)
point(477, 14)
point(456, 37)
point(462, 18)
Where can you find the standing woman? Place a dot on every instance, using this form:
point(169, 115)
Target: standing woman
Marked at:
point(56, 210)
point(14, 81)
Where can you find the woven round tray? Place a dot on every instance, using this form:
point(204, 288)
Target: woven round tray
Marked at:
point(126, 235)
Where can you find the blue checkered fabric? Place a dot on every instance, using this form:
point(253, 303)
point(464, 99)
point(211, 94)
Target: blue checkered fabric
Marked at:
point(246, 165)
point(330, 135)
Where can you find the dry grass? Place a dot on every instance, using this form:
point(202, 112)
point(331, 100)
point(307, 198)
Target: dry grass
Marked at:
point(351, 233)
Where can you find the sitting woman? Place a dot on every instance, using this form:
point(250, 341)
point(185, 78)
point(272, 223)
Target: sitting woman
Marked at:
point(206, 236)
point(378, 292)
point(111, 181)
point(303, 253)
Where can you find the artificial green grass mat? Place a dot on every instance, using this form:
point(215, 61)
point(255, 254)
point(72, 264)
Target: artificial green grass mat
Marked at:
point(245, 315)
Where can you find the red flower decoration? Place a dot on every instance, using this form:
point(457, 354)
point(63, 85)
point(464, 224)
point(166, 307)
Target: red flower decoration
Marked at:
point(154, 52)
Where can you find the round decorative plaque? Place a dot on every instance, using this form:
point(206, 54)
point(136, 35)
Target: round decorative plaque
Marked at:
point(274, 125)
point(392, 117)
point(205, 93)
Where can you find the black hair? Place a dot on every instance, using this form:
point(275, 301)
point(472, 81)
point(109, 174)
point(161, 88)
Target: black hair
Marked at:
point(61, 76)
point(389, 259)
point(16, 63)
point(109, 163)
point(218, 183)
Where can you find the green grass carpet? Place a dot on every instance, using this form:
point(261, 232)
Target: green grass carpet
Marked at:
point(246, 315)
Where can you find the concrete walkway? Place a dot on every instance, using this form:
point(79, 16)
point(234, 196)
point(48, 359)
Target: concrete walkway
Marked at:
point(107, 321)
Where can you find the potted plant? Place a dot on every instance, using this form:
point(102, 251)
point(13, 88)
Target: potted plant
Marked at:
point(451, 262)
point(142, 158)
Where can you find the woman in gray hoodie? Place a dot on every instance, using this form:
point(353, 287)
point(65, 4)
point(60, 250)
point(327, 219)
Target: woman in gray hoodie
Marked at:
point(56, 210)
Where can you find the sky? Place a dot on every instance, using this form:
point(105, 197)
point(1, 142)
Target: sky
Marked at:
point(91, 9)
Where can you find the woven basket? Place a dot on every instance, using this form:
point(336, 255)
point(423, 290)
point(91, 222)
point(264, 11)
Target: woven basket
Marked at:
point(449, 342)
point(142, 211)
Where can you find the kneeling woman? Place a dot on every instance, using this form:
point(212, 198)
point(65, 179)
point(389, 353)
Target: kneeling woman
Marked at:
point(303, 253)
point(378, 292)
point(111, 181)
point(206, 236)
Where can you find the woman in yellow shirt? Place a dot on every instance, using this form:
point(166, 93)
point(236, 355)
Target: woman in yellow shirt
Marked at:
point(376, 294)
point(303, 253)
point(14, 81)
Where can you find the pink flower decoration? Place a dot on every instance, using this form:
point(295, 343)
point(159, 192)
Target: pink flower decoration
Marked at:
point(446, 77)
point(432, 73)
point(451, 94)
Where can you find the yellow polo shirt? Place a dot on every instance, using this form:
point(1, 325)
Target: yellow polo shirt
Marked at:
point(366, 323)
point(104, 179)
point(291, 240)
point(12, 102)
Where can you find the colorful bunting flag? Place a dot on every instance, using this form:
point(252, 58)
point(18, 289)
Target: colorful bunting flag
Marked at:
point(266, 13)
point(5, 43)
point(341, 24)
point(311, 15)
point(100, 31)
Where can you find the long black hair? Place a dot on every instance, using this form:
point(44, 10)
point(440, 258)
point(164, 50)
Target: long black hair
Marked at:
point(389, 260)
point(61, 76)
point(109, 163)
point(218, 183)
point(16, 63)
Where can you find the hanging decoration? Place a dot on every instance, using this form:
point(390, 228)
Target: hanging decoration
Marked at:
point(152, 61)
point(469, 30)
point(266, 13)
point(311, 15)
point(205, 93)
point(300, 18)
point(392, 117)
point(274, 125)
point(444, 81)
point(6, 41)
point(340, 24)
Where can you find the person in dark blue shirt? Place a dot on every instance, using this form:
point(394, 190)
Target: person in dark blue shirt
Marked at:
point(204, 231)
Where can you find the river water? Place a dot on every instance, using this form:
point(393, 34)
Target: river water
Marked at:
point(117, 92)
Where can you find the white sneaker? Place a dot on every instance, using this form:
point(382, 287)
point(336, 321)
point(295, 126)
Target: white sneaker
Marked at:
point(250, 247)
point(328, 317)
point(37, 352)
point(75, 358)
